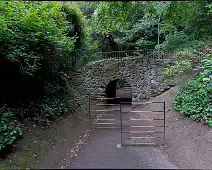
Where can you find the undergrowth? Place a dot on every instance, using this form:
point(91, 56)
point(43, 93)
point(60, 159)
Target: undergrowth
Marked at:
point(10, 129)
point(195, 98)
point(59, 100)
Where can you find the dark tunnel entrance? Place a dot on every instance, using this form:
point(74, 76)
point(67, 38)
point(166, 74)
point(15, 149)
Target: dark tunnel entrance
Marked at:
point(118, 88)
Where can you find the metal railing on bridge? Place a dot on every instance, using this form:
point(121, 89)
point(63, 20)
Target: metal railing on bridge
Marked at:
point(151, 53)
point(83, 56)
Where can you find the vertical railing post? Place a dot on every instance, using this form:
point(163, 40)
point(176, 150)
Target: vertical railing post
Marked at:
point(164, 107)
point(89, 105)
point(121, 120)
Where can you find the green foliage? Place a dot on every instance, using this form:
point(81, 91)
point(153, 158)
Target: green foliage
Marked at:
point(88, 8)
point(177, 40)
point(86, 57)
point(184, 61)
point(180, 23)
point(54, 104)
point(145, 44)
point(106, 19)
point(178, 68)
point(38, 38)
point(188, 54)
point(36, 31)
point(10, 129)
point(59, 100)
point(195, 98)
point(192, 17)
point(44, 38)
point(75, 17)
point(50, 109)
point(137, 27)
point(186, 22)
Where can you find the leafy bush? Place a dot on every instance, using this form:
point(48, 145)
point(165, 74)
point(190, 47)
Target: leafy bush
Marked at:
point(50, 109)
point(34, 31)
point(58, 101)
point(10, 129)
point(195, 98)
point(177, 41)
point(178, 68)
point(37, 40)
point(183, 61)
point(145, 44)
point(187, 54)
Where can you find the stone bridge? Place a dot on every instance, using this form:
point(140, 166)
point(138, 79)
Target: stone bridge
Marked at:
point(142, 73)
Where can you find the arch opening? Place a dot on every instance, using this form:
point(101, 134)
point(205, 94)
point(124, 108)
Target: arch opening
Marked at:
point(118, 88)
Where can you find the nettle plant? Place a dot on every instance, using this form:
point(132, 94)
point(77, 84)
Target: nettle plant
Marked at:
point(195, 98)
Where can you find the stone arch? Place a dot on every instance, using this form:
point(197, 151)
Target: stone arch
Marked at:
point(142, 75)
point(118, 88)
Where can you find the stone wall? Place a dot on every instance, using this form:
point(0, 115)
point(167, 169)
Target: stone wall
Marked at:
point(141, 73)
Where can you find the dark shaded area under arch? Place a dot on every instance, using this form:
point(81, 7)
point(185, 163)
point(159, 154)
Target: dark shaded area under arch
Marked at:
point(118, 88)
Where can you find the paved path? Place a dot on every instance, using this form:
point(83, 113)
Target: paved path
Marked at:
point(103, 150)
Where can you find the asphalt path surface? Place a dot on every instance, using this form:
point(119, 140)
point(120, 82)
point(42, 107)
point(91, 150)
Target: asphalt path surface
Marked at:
point(103, 150)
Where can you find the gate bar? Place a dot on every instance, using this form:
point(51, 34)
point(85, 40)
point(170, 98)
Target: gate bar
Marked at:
point(102, 114)
point(105, 104)
point(141, 132)
point(143, 126)
point(139, 144)
point(107, 127)
point(142, 137)
point(141, 103)
point(104, 110)
point(143, 119)
point(137, 111)
point(101, 98)
point(147, 137)
point(105, 123)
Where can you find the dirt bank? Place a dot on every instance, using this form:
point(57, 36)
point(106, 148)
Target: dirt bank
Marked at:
point(188, 143)
point(45, 148)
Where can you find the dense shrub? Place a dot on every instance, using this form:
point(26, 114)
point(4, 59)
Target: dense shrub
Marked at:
point(37, 40)
point(178, 68)
point(10, 129)
point(56, 102)
point(32, 31)
point(184, 60)
point(46, 110)
point(195, 98)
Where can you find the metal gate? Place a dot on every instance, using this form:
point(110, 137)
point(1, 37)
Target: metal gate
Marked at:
point(139, 123)
point(103, 115)
point(144, 124)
